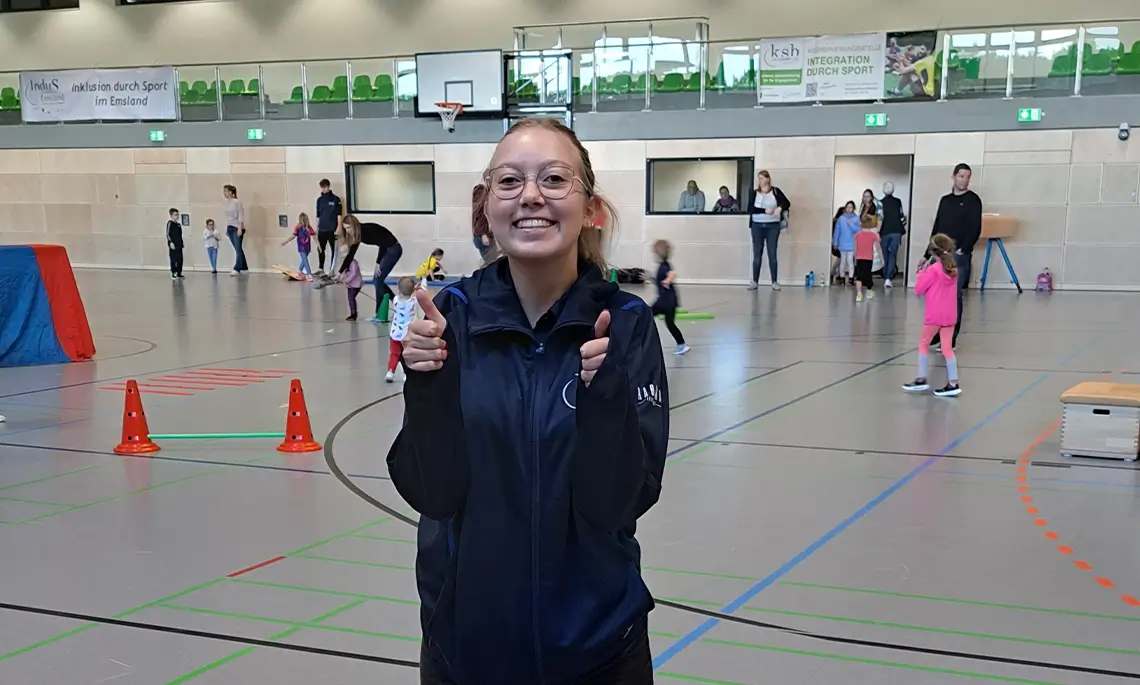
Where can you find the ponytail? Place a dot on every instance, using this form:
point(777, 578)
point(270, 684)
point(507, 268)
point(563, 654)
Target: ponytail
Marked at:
point(942, 247)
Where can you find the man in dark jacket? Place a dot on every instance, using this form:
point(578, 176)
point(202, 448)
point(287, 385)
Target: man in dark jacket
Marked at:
point(329, 211)
point(960, 217)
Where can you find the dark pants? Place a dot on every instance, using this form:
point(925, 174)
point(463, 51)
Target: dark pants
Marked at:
point(669, 311)
point(385, 262)
point(176, 261)
point(324, 240)
point(634, 666)
point(237, 237)
point(891, 243)
point(764, 234)
point(965, 263)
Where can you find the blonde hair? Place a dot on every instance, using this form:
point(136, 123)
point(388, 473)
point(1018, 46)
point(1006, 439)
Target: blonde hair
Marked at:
point(303, 219)
point(942, 246)
point(591, 243)
point(663, 249)
point(351, 235)
point(766, 175)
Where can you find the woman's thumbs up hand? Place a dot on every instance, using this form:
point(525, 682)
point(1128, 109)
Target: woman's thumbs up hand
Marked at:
point(424, 347)
point(594, 352)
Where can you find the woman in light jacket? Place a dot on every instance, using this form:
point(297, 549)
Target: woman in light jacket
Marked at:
point(769, 209)
point(234, 212)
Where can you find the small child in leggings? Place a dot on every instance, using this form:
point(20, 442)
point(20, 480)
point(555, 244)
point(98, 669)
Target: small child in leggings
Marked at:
point(354, 282)
point(667, 299)
point(938, 283)
point(404, 312)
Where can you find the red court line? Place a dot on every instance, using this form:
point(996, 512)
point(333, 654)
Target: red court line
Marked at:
point(151, 391)
point(211, 381)
point(274, 372)
point(177, 386)
point(203, 375)
point(250, 569)
point(280, 371)
point(235, 374)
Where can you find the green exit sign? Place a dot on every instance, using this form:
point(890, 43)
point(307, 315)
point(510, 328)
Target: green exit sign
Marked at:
point(875, 120)
point(255, 134)
point(1029, 114)
point(157, 136)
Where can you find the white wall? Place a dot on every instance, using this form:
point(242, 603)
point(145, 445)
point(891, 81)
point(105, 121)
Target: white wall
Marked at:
point(394, 187)
point(100, 33)
point(853, 175)
point(670, 178)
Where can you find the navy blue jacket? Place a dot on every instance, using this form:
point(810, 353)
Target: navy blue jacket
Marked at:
point(530, 484)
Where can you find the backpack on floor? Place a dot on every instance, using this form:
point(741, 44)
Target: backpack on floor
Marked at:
point(1045, 281)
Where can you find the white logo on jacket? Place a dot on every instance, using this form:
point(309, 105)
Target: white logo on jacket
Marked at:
point(650, 394)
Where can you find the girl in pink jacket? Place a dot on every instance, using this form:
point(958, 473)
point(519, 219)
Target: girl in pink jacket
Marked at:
point(938, 283)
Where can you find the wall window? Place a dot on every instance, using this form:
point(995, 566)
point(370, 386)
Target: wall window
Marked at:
point(391, 188)
point(31, 5)
point(721, 185)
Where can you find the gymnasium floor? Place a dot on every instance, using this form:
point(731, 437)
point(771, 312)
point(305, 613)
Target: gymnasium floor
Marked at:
point(844, 531)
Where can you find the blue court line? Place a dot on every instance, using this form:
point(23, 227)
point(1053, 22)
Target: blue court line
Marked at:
point(1096, 483)
point(785, 405)
point(698, 632)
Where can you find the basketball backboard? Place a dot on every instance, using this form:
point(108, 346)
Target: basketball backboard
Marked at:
point(473, 78)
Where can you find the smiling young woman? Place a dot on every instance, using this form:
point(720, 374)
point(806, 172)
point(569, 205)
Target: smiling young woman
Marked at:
point(535, 431)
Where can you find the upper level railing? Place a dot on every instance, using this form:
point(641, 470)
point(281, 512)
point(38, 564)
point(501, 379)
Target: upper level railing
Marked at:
point(664, 72)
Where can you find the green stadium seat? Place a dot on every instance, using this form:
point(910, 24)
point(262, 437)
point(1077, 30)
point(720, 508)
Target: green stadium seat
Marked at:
point(340, 83)
point(236, 87)
point(1098, 64)
point(1064, 66)
point(200, 86)
point(297, 96)
point(320, 94)
point(253, 87)
point(1129, 63)
point(361, 82)
point(339, 95)
point(362, 92)
point(621, 84)
point(183, 88)
point(192, 98)
point(384, 92)
point(381, 80)
point(672, 83)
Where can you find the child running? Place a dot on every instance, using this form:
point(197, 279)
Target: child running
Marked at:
point(303, 233)
point(431, 269)
point(174, 243)
point(843, 239)
point(212, 238)
point(865, 242)
point(403, 314)
point(667, 299)
point(938, 282)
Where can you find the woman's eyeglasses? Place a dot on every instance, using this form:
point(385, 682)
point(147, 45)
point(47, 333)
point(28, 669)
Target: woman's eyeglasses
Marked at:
point(555, 182)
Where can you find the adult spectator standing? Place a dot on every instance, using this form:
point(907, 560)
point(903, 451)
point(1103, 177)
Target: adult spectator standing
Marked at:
point(892, 230)
point(960, 217)
point(388, 253)
point(234, 211)
point(768, 207)
point(329, 212)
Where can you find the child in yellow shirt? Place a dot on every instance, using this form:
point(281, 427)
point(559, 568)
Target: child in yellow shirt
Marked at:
point(431, 269)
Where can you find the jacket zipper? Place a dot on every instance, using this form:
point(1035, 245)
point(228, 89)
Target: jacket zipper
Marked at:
point(536, 591)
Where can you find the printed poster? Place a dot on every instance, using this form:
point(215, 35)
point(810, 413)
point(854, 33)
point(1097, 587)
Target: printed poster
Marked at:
point(822, 69)
point(149, 93)
point(910, 70)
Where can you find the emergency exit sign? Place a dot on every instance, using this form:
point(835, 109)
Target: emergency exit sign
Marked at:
point(872, 120)
point(1029, 114)
point(157, 136)
point(255, 134)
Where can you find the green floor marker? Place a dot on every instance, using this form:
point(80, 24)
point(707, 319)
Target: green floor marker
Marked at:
point(215, 436)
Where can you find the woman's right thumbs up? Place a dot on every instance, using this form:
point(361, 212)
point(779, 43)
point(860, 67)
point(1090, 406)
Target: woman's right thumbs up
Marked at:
point(424, 347)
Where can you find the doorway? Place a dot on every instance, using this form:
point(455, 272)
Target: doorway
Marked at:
point(856, 173)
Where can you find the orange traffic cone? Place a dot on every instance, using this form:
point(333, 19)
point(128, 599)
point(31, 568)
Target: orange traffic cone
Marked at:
point(136, 435)
point(298, 430)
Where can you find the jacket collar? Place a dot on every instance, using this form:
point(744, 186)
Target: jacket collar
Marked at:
point(495, 305)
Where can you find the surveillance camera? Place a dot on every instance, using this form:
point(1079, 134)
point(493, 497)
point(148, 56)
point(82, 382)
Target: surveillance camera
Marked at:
point(1123, 131)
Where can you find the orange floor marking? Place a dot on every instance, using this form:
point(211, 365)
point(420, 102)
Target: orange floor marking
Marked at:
point(1064, 549)
point(1105, 582)
point(1130, 600)
point(1031, 510)
point(1083, 565)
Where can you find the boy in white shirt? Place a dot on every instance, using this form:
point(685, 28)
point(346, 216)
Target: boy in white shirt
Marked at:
point(404, 312)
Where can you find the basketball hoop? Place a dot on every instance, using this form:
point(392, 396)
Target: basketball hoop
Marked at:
point(447, 112)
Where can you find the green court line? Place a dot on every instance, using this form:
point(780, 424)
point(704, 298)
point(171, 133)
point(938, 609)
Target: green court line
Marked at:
point(338, 536)
point(952, 600)
point(702, 574)
point(123, 495)
point(353, 562)
point(51, 477)
point(181, 593)
point(33, 501)
point(880, 662)
point(944, 631)
point(249, 650)
point(694, 679)
point(320, 591)
point(125, 614)
point(381, 538)
point(294, 624)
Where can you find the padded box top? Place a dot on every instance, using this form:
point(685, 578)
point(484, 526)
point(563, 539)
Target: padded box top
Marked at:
point(1112, 394)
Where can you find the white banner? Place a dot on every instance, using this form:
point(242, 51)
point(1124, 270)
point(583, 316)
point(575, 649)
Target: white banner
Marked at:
point(827, 68)
point(149, 93)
